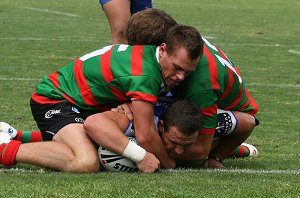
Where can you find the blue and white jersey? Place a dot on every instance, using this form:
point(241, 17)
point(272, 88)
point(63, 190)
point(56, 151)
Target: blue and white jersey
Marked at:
point(164, 101)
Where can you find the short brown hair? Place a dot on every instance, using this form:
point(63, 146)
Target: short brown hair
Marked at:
point(187, 37)
point(148, 26)
point(183, 115)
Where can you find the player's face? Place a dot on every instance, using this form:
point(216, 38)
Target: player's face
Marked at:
point(176, 66)
point(175, 142)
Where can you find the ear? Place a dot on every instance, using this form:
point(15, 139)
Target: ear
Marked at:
point(161, 126)
point(162, 48)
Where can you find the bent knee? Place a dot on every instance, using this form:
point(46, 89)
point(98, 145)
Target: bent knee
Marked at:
point(83, 166)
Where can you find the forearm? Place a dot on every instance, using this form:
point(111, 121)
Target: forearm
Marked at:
point(146, 134)
point(108, 134)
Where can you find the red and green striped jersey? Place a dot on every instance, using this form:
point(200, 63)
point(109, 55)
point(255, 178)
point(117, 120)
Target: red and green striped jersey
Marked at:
point(105, 78)
point(216, 83)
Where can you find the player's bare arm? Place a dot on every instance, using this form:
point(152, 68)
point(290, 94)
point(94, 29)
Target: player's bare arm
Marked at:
point(146, 134)
point(109, 134)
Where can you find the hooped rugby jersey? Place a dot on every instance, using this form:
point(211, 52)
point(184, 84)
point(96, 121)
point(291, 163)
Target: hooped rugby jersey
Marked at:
point(216, 83)
point(105, 78)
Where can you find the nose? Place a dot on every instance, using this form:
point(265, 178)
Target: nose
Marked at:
point(179, 149)
point(181, 75)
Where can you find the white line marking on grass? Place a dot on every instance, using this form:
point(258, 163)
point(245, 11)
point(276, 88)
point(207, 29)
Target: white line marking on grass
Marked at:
point(49, 39)
point(294, 52)
point(52, 11)
point(250, 84)
point(19, 79)
point(21, 170)
point(258, 44)
point(273, 85)
point(209, 37)
point(245, 171)
point(239, 171)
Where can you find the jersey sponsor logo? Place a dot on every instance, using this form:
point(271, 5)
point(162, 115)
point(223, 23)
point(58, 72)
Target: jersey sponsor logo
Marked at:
point(75, 110)
point(50, 113)
point(79, 120)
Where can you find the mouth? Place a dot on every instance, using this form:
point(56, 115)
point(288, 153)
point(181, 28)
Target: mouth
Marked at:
point(173, 82)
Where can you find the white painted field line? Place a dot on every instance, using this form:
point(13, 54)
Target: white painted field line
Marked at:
point(239, 171)
point(249, 84)
point(92, 40)
point(243, 171)
point(20, 170)
point(19, 79)
point(273, 85)
point(49, 39)
point(294, 52)
point(52, 11)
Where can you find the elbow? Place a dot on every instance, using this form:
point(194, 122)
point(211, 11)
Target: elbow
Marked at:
point(144, 140)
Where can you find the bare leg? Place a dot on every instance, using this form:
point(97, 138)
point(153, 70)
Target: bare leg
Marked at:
point(71, 150)
point(117, 12)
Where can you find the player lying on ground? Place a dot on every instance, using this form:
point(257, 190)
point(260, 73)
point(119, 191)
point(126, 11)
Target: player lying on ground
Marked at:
point(178, 130)
point(64, 99)
point(177, 126)
point(216, 83)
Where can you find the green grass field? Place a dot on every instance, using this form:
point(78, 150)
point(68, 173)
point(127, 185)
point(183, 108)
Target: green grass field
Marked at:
point(261, 37)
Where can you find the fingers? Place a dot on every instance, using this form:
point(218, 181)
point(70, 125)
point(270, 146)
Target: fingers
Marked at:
point(126, 109)
point(149, 164)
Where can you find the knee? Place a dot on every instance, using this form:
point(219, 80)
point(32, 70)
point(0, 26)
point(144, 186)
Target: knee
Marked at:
point(249, 124)
point(89, 166)
point(246, 123)
point(83, 165)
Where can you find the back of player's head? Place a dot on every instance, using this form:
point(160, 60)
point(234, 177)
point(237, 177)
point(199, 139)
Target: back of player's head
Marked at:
point(148, 26)
point(183, 115)
point(187, 37)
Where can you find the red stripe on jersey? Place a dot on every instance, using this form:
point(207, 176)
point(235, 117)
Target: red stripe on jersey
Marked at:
point(118, 94)
point(222, 54)
point(250, 102)
point(105, 66)
point(54, 79)
point(229, 84)
point(137, 60)
point(207, 131)
point(213, 69)
point(142, 96)
point(43, 100)
point(82, 84)
point(236, 101)
point(209, 111)
point(230, 76)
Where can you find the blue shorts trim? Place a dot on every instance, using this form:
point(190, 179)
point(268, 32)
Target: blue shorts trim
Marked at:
point(135, 5)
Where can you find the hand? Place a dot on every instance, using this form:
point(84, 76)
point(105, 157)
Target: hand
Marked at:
point(212, 163)
point(149, 164)
point(126, 109)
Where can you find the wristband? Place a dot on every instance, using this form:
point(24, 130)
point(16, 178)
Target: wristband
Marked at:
point(134, 152)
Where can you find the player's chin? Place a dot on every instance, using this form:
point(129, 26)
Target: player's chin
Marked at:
point(171, 84)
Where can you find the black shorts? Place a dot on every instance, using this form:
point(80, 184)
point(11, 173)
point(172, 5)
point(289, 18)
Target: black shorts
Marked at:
point(50, 118)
